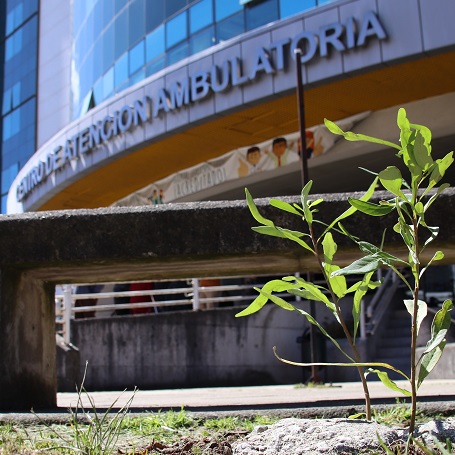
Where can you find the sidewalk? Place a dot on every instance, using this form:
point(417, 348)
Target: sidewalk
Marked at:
point(259, 397)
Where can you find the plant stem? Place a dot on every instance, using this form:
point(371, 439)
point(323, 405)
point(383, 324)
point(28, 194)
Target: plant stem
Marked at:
point(343, 325)
point(414, 331)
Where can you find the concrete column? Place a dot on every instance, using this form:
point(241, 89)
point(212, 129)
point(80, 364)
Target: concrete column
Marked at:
point(27, 342)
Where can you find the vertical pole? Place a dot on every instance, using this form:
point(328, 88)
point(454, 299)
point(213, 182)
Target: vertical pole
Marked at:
point(301, 111)
point(67, 307)
point(195, 294)
point(305, 179)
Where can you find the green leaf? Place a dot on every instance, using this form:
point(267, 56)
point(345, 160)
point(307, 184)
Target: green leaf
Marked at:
point(384, 377)
point(315, 292)
point(440, 325)
point(419, 209)
point(306, 203)
point(329, 247)
point(350, 136)
point(289, 235)
point(262, 298)
point(435, 346)
point(386, 258)
point(370, 208)
point(255, 212)
point(421, 311)
point(392, 180)
point(429, 361)
point(364, 265)
point(435, 196)
point(422, 152)
point(291, 208)
point(439, 170)
point(277, 232)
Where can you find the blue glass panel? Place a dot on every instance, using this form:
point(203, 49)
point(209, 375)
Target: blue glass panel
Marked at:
point(177, 53)
point(119, 4)
point(121, 34)
point(290, 7)
point(136, 21)
point(8, 176)
point(108, 47)
point(121, 70)
point(97, 59)
point(233, 26)
point(137, 57)
point(108, 83)
point(202, 40)
point(89, 29)
point(154, 43)
point(154, 14)
point(98, 91)
point(14, 44)
point(173, 6)
point(322, 2)
point(108, 11)
point(201, 15)
point(258, 14)
point(98, 23)
point(176, 30)
point(4, 200)
point(138, 77)
point(155, 65)
point(224, 8)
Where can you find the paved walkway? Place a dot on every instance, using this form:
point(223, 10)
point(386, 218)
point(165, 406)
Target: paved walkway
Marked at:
point(265, 397)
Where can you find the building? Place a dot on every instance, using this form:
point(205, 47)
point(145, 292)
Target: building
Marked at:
point(136, 102)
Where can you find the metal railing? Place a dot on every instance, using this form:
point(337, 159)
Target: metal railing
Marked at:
point(163, 295)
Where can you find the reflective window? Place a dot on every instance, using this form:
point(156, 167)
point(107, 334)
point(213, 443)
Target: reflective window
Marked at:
point(172, 6)
point(98, 91)
point(11, 124)
point(137, 57)
point(258, 14)
point(202, 40)
point(136, 12)
point(98, 23)
point(135, 78)
point(108, 11)
point(17, 12)
point(230, 27)
point(121, 34)
point(121, 70)
point(13, 45)
point(108, 47)
point(224, 8)
point(98, 59)
point(154, 43)
point(108, 83)
point(119, 4)
point(176, 30)
point(154, 14)
point(177, 53)
point(290, 7)
point(201, 15)
point(155, 65)
point(8, 176)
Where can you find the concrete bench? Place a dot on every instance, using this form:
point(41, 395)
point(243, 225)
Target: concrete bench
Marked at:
point(39, 250)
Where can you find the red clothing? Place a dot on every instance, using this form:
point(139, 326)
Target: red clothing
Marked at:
point(141, 298)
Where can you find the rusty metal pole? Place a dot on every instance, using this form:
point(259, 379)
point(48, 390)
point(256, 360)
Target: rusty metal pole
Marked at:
point(305, 178)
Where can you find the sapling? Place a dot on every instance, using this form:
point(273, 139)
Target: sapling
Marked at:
point(410, 199)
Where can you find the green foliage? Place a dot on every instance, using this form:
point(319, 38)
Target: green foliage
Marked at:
point(410, 199)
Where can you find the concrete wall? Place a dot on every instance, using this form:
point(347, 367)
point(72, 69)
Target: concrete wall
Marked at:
point(189, 349)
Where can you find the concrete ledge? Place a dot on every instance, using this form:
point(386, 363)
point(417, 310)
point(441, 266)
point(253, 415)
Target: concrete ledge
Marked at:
point(42, 249)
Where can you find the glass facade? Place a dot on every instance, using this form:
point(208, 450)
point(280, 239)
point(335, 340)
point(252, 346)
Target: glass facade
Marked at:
point(18, 75)
point(117, 43)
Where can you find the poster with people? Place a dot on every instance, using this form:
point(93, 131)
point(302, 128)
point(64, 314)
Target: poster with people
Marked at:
point(240, 163)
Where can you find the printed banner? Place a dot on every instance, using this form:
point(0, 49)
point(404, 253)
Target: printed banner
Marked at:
point(239, 163)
